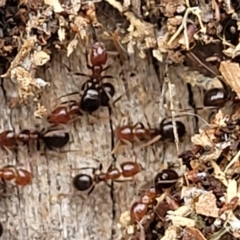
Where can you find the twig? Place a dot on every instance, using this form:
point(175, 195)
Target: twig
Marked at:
point(137, 23)
point(194, 10)
point(232, 161)
point(173, 113)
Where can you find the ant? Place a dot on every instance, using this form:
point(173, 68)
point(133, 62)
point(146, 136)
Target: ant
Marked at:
point(53, 138)
point(218, 97)
point(84, 182)
point(129, 134)
point(164, 179)
point(94, 93)
point(20, 176)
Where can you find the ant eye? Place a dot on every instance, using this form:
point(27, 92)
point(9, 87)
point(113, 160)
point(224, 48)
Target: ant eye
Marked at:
point(165, 179)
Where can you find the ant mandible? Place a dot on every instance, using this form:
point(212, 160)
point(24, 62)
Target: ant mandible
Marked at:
point(94, 92)
point(85, 182)
point(18, 175)
point(53, 138)
point(129, 134)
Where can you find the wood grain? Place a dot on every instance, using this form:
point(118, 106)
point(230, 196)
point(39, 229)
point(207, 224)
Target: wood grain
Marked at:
point(50, 208)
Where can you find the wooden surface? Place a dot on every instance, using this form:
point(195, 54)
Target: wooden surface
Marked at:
point(50, 208)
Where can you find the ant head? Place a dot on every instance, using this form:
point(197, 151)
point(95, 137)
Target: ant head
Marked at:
point(107, 93)
point(82, 182)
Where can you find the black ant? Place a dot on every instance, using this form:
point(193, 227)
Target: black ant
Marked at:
point(130, 134)
point(53, 138)
point(85, 182)
point(95, 93)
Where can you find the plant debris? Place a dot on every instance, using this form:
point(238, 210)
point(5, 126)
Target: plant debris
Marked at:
point(201, 37)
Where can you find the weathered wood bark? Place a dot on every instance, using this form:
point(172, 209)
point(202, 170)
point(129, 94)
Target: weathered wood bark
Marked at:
point(50, 208)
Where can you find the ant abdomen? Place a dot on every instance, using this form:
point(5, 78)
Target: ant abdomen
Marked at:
point(55, 138)
point(107, 93)
point(91, 101)
point(215, 97)
point(82, 182)
point(130, 169)
point(167, 130)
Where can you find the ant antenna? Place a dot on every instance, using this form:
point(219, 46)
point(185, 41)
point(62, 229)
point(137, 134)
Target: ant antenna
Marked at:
point(195, 115)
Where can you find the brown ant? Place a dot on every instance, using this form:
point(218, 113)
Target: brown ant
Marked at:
point(164, 179)
point(95, 93)
point(84, 182)
point(53, 138)
point(20, 176)
point(129, 134)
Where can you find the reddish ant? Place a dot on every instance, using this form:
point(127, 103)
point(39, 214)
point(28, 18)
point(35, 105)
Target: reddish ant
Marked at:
point(84, 182)
point(164, 179)
point(95, 93)
point(20, 176)
point(129, 134)
point(53, 138)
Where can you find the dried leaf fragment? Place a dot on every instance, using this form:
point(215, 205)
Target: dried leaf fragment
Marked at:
point(181, 221)
point(192, 234)
point(206, 205)
point(57, 7)
point(40, 58)
point(40, 111)
point(72, 46)
point(172, 233)
point(231, 73)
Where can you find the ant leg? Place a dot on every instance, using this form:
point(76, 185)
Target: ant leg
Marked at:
point(107, 76)
point(70, 72)
point(68, 94)
point(106, 68)
point(124, 180)
point(152, 141)
point(118, 144)
point(94, 119)
point(91, 190)
point(9, 154)
point(118, 98)
point(141, 125)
